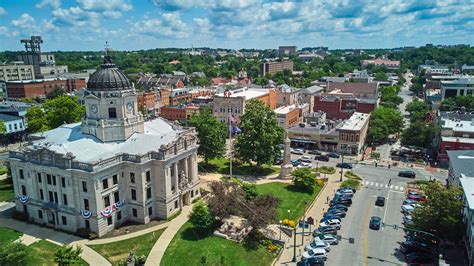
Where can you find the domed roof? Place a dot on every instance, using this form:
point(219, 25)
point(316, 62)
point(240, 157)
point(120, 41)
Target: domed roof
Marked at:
point(108, 78)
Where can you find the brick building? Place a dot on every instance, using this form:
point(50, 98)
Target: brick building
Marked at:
point(288, 116)
point(275, 66)
point(457, 133)
point(40, 87)
point(147, 100)
point(181, 113)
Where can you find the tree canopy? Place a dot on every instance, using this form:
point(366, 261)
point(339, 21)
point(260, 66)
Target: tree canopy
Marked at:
point(260, 135)
point(455, 103)
point(67, 255)
point(389, 96)
point(200, 217)
point(383, 122)
point(417, 110)
point(419, 134)
point(211, 133)
point(303, 178)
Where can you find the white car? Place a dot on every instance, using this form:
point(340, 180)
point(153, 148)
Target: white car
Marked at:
point(333, 222)
point(330, 239)
point(318, 243)
point(407, 209)
point(304, 165)
point(305, 159)
point(317, 252)
point(297, 151)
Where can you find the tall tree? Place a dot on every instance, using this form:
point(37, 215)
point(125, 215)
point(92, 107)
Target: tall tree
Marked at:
point(417, 110)
point(13, 253)
point(201, 217)
point(36, 119)
point(383, 122)
point(211, 133)
point(67, 255)
point(303, 178)
point(419, 134)
point(260, 135)
point(441, 213)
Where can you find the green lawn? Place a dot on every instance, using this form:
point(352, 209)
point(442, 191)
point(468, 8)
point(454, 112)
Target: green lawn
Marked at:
point(8, 235)
point(187, 248)
point(118, 251)
point(42, 253)
point(6, 190)
point(291, 198)
point(222, 166)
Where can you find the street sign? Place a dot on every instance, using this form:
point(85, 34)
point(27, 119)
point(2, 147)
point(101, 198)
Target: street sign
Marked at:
point(339, 237)
point(310, 220)
point(301, 223)
point(351, 240)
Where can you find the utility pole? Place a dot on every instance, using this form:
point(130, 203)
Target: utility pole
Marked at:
point(342, 162)
point(294, 246)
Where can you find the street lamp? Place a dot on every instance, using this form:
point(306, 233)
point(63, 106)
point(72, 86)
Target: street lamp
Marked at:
point(342, 162)
point(294, 245)
point(304, 223)
point(280, 229)
point(289, 216)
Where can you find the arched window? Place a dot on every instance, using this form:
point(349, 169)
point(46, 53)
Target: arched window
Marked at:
point(23, 190)
point(112, 113)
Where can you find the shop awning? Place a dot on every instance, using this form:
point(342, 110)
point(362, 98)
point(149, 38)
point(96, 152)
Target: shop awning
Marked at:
point(304, 141)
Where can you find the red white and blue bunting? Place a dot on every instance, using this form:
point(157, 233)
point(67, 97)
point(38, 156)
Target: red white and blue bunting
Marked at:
point(107, 212)
point(86, 214)
point(23, 198)
point(117, 205)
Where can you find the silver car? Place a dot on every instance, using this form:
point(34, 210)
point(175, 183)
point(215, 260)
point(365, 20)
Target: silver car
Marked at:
point(318, 243)
point(330, 239)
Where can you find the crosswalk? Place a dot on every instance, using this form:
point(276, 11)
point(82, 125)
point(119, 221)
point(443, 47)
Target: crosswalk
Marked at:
point(383, 185)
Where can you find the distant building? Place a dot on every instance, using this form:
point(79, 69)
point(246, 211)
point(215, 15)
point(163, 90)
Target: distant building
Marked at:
point(286, 50)
point(275, 66)
point(39, 88)
point(288, 116)
point(16, 71)
point(466, 69)
point(457, 133)
point(307, 95)
point(321, 136)
point(434, 69)
point(458, 87)
point(181, 113)
point(390, 64)
point(148, 101)
point(287, 95)
point(309, 57)
point(460, 164)
point(233, 102)
point(352, 134)
point(161, 82)
point(360, 90)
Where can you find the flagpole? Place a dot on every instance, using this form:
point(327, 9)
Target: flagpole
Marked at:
point(230, 155)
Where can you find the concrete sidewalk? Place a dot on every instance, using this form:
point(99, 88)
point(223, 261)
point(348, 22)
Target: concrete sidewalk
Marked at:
point(315, 211)
point(158, 250)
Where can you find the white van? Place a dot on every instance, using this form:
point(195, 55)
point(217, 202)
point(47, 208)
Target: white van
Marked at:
point(317, 252)
point(333, 222)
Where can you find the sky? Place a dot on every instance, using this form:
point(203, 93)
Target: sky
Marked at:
point(146, 24)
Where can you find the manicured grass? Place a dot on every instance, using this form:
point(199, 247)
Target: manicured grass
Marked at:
point(325, 170)
point(118, 251)
point(8, 235)
point(291, 198)
point(187, 248)
point(6, 190)
point(3, 169)
point(42, 253)
point(222, 166)
point(351, 183)
point(350, 174)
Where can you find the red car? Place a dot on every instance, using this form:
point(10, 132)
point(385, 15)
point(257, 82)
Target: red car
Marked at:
point(417, 197)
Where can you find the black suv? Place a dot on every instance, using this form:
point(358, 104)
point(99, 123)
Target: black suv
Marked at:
point(407, 173)
point(333, 155)
point(315, 152)
point(344, 165)
point(322, 158)
point(380, 201)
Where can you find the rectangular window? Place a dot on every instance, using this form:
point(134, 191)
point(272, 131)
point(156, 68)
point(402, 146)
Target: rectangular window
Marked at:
point(84, 186)
point(41, 194)
point(134, 194)
point(109, 221)
point(86, 204)
point(106, 201)
point(119, 215)
point(51, 197)
point(39, 178)
point(115, 179)
point(48, 179)
point(148, 176)
point(134, 212)
point(54, 180)
point(116, 196)
point(65, 199)
point(40, 214)
point(150, 211)
point(105, 183)
point(148, 193)
point(175, 204)
point(56, 197)
point(64, 220)
point(88, 224)
point(63, 182)
point(132, 177)
point(112, 113)
point(192, 193)
point(21, 174)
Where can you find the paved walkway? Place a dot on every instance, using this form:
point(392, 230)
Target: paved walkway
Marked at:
point(316, 211)
point(158, 250)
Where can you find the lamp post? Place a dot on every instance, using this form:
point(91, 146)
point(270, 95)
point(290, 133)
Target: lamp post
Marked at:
point(304, 224)
point(280, 229)
point(289, 216)
point(342, 163)
point(294, 245)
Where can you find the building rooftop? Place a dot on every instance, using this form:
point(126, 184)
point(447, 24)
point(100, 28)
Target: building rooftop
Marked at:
point(467, 184)
point(457, 121)
point(360, 88)
point(458, 139)
point(35, 80)
point(246, 92)
point(89, 149)
point(355, 122)
point(463, 80)
point(462, 162)
point(8, 118)
point(285, 109)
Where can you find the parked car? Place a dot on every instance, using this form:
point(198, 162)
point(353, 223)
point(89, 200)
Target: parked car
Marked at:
point(305, 158)
point(330, 239)
point(380, 201)
point(304, 165)
point(344, 165)
point(417, 197)
point(375, 222)
point(407, 220)
point(409, 202)
point(295, 162)
point(347, 189)
point(317, 252)
point(417, 257)
point(333, 222)
point(407, 173)
point(323, 158)
point(314, 261)
point(317, 243)
point(340, 195)
point(346, 202)
point(278, 161)
point(340, 206)
point(297, 151)
point(339, 213)
point(329, 217)
point(324, 230)
point(407, 209)
point(333, 155)
point(408, 247)
point(315, 152)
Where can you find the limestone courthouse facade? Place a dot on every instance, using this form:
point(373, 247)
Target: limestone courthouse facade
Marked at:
point(111, 168)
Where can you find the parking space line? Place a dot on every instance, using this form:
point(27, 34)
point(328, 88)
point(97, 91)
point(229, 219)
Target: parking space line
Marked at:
point(401, 188)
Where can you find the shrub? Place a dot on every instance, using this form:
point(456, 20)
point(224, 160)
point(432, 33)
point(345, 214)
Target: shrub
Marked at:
point(326, 170)
point(352, 183)
point(250, 190)
point(201, 217)
point(292, 224)
point(303, 178)
point(351, 175)
point(320, 182)
point(375, 155)
point(12, 254)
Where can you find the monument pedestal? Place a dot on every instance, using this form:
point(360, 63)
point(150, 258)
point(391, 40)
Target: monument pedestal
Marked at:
point(286, 171)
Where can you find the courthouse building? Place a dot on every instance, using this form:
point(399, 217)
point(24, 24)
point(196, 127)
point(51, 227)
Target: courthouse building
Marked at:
point(111, 168)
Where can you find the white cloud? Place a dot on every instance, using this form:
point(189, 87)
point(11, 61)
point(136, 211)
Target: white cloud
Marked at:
point(170, 25)
point(53, 3)
point(25, 21)
point(75, 16)
point(2, 11)
point(104, 5)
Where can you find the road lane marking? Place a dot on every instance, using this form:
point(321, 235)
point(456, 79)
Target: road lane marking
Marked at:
point(391, 187)
point(402, 189)
point(386, 208)
point(364, 233)
point(371, 183)
point(386, 185)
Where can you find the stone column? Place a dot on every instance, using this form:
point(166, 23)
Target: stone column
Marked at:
point(176, 174)
point(186, 168)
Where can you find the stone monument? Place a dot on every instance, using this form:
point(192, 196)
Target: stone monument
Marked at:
point(286, 166)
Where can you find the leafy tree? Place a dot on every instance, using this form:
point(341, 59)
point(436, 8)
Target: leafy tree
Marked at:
point(383, 122)
point(13, 253)
point(250, 190)
point(389, 96)
point(3, 128)
point(201, 217)
point(417, 110)
point(67, 255)
point(303, 178)
point(58, 91)
point(36, 119)
point(455, 103)
point(212, 135)
point(260, 135)
point(261, 211)
point(227, 199)
point(441, 214)
point(378, 131)
point(381, 76)
point(419, 134)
